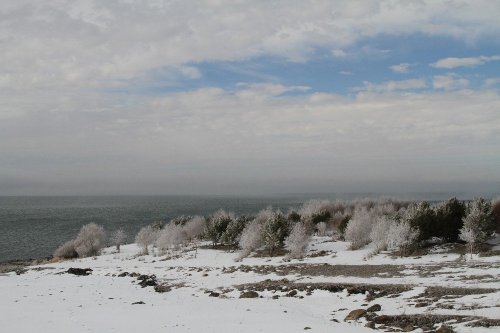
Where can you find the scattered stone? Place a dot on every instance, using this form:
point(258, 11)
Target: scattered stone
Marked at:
point(355, 314)
point(249, 294)
point(79, 271)
point(20, 271)
point(140, 302)
point(374, 308)
point(276, 297)
point(122, 274)
point(214, 294)
point(292, 293)
point(307, 328)
point(445, 329)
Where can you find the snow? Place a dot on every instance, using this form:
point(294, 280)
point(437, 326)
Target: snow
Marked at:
point(45, 299)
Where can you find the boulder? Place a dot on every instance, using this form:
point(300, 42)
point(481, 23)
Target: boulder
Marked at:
point(370, 324)
point(79, 271)
point(355, 314)
point(383, 319)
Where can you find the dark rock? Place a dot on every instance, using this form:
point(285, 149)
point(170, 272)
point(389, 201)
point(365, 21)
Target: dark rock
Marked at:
point(214, 294)
point(147, 281)
point(370, 324)
point(122, 274)
point(292, 293)
point(374, 308)
point(162, 288)
point(408, 328)
point(79, 271)
point(383, 319)
point(276, 297)
point(249, 294)
point(140, 302)
point(421, 304)
point(307, 328)
point(445, 329)
point(355, 314)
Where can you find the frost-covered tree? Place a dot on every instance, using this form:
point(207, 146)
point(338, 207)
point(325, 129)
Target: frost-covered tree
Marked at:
point(421, 216)
point(296, 242)
point(495, 206)
point(469, 235)
point(171, 236)
point(234, 229)
point(146, 237)
point(250, 239)
point(274, 231)
point(401, 236)
point(478, 224)
point(358, 229)
point(379, 233)
point(90, 240)
point(181, 220)
point(118, 238)
point(195, 227)
point(321, 227)
point(217, 225)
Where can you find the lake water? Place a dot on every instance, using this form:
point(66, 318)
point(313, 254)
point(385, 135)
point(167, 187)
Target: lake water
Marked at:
point(33, 227)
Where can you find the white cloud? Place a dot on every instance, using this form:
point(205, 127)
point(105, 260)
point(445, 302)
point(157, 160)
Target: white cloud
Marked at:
point(492, 81)
point(101, 43)
point(393, 85)
point(449, 81)
point(345, 73)
point(450, 63)
point(339, 53)
point(402, 68)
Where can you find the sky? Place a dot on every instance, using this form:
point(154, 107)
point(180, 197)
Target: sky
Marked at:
point(249, 97)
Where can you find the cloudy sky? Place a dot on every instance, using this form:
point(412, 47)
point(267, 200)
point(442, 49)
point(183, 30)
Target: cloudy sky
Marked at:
point(249, 97)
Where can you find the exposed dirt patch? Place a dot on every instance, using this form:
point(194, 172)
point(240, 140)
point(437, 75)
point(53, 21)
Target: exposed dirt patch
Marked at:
point(371, 290)
point(427, 322)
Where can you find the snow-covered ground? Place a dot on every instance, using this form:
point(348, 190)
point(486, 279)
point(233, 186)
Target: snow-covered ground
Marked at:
point(205, 291)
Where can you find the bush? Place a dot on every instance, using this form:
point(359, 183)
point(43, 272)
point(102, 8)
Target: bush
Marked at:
point(66, 251)
point(146, 237)
point(401, 236)
point(274, 231)
point(217, 225)
point(297, 241)
point(321, 216)
point(321, 227)
point(342, 225)
point(118, 237)
point(358, 229)
point(90, 240)
point(449, 216)
point(293, 216)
